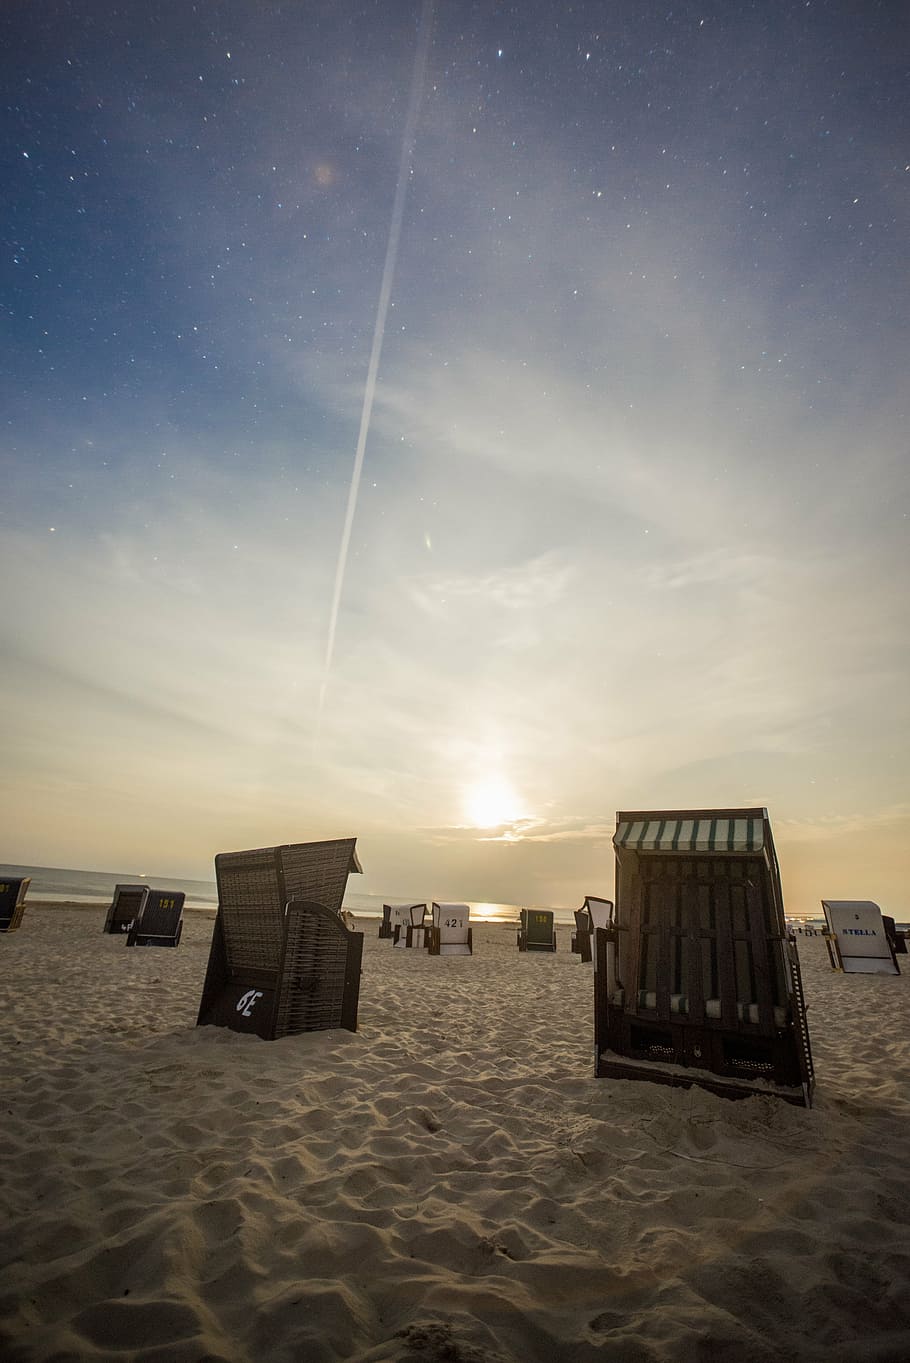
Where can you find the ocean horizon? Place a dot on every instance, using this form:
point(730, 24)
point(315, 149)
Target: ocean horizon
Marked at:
point(59, 883)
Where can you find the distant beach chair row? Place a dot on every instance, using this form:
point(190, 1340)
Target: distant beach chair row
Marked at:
point(448, 931)
point(696, 972)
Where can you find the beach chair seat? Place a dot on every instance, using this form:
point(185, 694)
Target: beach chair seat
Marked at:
point(404, 918)
point(857, 938)
point(12, 901)
point(450, 933)
point(160, 920)
point(125, 908)
point(282, 959)
point(696, 978)
point(537, 931)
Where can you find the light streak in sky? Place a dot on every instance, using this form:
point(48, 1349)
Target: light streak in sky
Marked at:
point(388, 272)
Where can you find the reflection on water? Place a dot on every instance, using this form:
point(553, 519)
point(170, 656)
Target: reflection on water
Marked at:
point(59, 884)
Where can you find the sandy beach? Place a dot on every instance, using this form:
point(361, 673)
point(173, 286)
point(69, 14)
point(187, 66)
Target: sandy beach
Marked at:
point(449, 1183)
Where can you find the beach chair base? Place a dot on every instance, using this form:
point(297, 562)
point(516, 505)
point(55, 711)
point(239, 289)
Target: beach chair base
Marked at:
point(435, 947)
point(611, 1065)
point(733, 1063)
point(525, 945)
point(137, 938)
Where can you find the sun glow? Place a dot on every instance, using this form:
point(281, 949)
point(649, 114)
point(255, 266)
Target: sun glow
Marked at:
point(492, 802)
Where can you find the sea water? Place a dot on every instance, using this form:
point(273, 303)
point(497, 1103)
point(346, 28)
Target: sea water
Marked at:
point(55, 884)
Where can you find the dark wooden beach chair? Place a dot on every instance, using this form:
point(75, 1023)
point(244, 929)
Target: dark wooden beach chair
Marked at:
point(126, 907)
point(282, 960)
point(857, 938)
point(581, 937)
point(12, 902)
point(160, 920)
point(696, 977)
point(537, 931)
point(385, 927)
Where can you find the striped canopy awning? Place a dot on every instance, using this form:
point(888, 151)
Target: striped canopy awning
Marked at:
point(701, 834)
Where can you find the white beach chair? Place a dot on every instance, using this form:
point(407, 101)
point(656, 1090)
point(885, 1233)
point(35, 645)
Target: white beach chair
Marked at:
point(450, 934)
point(407, 924)
point(856, 938)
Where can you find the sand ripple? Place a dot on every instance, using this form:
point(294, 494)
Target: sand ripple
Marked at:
point(450, 1183)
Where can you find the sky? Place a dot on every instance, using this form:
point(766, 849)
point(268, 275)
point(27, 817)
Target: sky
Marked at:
point(449, 424)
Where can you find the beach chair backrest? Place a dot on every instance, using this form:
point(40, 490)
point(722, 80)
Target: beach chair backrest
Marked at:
point(405, 915)
point(451, 915)
point(318, 871)
point(583, 920)
point(160, 922)
point(126, 906)
point(600, 914)
point(861, 945)
point(537, 931)
point(251, 903)
point(255, 886)
point(12, 901)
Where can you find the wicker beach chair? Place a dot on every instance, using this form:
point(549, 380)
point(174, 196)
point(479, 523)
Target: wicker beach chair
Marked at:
point(696, 978)
point(126, 907)
point(282, 960)
point(12, 902)
point(160, 920)
point(450, 933)
point(385, 927)
point(537, 931)
point(857, 938)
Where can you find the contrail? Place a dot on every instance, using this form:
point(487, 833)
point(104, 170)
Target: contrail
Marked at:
point(388, 271)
